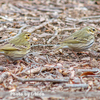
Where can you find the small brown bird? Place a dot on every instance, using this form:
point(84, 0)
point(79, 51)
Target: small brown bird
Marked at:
point(80, 40)
point(17, 47)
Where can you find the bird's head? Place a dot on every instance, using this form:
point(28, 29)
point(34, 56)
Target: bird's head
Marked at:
point(91, 30)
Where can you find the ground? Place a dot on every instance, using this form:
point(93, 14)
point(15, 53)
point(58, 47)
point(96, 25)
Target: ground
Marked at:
point(44, 74)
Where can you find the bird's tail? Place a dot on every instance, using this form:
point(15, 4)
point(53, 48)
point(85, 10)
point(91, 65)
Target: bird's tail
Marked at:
point(57, 47)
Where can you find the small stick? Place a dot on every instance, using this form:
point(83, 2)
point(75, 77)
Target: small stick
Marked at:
point(56, 33)
point(6, 18)
point(45, 45)
point(14, 7)
point(90, 17)
point(76, 85)
point(49, 10)
point(88, 70)
point(70, 20)
point(69, 29)
point(98, 76)
point(39, 79)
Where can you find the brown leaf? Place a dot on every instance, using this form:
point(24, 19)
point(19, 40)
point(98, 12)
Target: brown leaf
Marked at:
point(63, 71)
point(87, 73)
point(98, 87)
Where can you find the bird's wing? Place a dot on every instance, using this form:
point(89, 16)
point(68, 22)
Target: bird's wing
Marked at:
point(74, 40)
point(8, 47)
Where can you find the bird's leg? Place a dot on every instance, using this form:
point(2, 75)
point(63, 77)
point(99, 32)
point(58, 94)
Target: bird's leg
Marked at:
point(78, 59)
point(9, 62)
point(76, 55)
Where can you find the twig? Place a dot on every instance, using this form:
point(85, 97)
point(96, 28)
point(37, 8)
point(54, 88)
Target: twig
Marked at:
point(69, 29)
point(39, 79)
point(56, 33)
point(89, 88)
point(90, 17)
point(90, 21)
point(6, 18)
point(20, 30)
point(14, 7)
point(89, 70)
point(76, 85)
point(49, 28)
point(82, 20)
point(98, 76)
point(45, 45)
point(49, 10)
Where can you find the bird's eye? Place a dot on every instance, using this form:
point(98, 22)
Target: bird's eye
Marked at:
point(93, 29)
point(28, 35)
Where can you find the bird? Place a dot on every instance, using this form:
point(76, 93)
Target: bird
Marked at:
point(17, 47)
point(80, 40)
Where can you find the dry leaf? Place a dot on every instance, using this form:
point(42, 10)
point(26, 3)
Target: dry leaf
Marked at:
point(94, 63)
point(87, 73)
point(63, 71)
